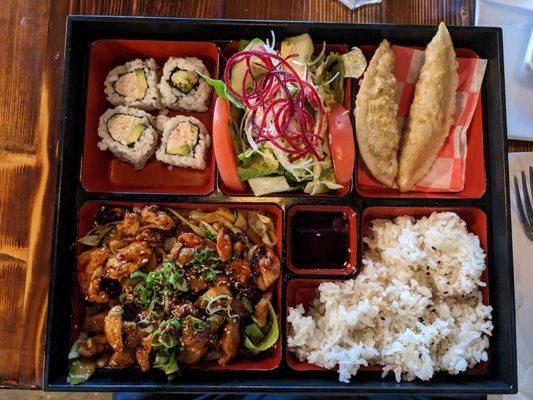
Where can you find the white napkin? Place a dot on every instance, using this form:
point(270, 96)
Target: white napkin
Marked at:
point(523, 285)
point(515, 17)
point(353, 4)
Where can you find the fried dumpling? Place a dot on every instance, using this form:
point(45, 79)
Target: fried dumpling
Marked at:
point(431, 113)
point(376, 107)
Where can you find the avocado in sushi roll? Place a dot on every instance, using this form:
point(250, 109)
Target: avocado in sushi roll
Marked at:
point(134, 84)
point(181, 87)
point(184, 143)
point(129, 134)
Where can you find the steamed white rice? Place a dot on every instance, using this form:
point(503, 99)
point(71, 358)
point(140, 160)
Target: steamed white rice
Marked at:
point(415, 308)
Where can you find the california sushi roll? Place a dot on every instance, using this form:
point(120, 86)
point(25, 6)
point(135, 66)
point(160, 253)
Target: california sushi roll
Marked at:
point(181, 87)
point(134, 84)
point(129, 134)
point(184, 143)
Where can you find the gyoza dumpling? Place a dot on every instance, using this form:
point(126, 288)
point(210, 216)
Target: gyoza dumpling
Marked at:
point(376, 107)
point(431, 112)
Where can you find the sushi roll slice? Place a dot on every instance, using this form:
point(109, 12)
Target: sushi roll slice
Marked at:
point(184, 143)
point(181, 87)
point(134, 84)
point(129, 134)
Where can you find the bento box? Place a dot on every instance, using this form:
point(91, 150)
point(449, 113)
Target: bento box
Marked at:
point(89, 179)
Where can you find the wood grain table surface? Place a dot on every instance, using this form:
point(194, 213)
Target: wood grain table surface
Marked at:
point(31, 50)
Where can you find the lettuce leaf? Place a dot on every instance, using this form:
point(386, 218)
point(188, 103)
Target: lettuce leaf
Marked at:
point(257, 163)
point(269, 184)
point(334, 64)
point(221, 89)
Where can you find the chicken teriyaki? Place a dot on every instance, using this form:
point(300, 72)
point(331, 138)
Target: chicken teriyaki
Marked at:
point(166, 287)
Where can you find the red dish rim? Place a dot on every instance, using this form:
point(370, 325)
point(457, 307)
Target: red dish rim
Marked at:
point(273, 359)
point(475, 177)
point(228, 51)
point(476, 221)
point(351, 216)
point(100, 170)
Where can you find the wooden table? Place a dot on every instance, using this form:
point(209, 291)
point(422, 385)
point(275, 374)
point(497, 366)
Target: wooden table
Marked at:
point(32, 34)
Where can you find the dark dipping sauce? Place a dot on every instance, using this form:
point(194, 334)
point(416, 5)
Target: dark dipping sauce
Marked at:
point(319, 239)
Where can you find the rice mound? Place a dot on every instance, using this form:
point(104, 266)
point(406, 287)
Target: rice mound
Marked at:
point(415, 308)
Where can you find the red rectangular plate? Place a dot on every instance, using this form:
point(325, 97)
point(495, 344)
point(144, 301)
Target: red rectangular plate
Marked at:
point(475, 180)
point(267, 362)
point(101, 171)
point(303, 290)
point(352, 240)
point(230, 49)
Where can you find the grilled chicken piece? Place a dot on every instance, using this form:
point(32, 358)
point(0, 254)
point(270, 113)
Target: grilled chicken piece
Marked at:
point(153, 215)
point(230, 341)
point(122, 359)
point(215, 321)
point(184, 248)
point(191, 240)
point(90, 269)
point(239, 243)
point(265, 266)
point(195, 344)
point(113, 328)
point(143, 359)
point(94, 323)
point(93, 346)
point(153, 236)
point(133, 336)
point(261, 309)
point(196, 284)
point(116, 244)
point(214, 291)
point(129, 226)
point(184, 309)
point(224, 244)
point(185, 256)
point(240, 271)
point(129, 259)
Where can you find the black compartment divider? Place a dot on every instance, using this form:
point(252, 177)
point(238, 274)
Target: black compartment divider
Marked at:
point(501, 376)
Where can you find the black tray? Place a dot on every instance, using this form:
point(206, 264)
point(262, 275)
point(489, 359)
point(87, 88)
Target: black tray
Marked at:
point(501, 374)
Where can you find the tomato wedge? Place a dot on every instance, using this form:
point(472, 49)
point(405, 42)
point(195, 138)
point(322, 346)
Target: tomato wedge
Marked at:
point(224, 148)
point(341, 142)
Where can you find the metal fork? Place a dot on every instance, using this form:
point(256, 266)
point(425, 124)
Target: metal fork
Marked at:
point(525, 211)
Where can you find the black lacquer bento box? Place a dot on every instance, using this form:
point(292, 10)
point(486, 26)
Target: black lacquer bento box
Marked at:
point(486, 209)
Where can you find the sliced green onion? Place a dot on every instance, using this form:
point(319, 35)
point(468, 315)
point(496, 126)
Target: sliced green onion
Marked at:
point(247, 304)
point(81, 370)
point(197, 324)
point(271, 337)
point(166, 363)
point(255, 333)
point(137, 274)
point(182, 285)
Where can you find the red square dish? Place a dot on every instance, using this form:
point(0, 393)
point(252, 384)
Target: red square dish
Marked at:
point(303, 291)
point(101, 171)
point(266, 362)
point(475, 180)
point(476, 222)
point(230, 49)
point(350, 218)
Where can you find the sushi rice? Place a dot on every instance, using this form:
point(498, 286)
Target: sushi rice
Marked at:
point(129, 134)
point(184, 142)
point(134, 84)
point(182, 88)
